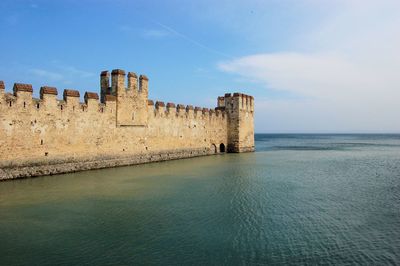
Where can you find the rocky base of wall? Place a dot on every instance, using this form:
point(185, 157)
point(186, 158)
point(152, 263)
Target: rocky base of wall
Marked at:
point(236, 149)
point(61, 166)
point(247, 149)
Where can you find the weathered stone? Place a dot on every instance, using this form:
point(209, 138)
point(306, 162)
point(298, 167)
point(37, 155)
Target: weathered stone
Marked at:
point(2, 87)
point(71, 93)
point(49, 136)
point(22, 87)
point(48, 90)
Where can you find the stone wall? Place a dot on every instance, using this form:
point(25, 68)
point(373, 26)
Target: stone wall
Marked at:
point(50, 135)
point(35, 168)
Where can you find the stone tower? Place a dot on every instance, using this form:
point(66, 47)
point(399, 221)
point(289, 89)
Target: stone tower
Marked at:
point(51, 135)
point(131, 99)
point(240, 111)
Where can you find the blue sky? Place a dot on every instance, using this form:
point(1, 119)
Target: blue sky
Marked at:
point(313, 66)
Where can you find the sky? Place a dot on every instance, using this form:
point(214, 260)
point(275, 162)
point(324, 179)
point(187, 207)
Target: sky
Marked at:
point(313, 66)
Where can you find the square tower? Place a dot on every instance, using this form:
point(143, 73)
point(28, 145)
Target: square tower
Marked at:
point(131, 100)
point(240, 111)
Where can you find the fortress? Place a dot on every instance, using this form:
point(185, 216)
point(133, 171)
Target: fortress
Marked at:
point(49, 136)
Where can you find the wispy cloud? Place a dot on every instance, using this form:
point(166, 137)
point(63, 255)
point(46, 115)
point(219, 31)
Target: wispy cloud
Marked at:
point(351, 77)
point(73, 71)
point(146, 33)
point(61, 74)
point(155, 33)
point(125, 28)
point(163, 30)
point(51, 76)
point(191, 40)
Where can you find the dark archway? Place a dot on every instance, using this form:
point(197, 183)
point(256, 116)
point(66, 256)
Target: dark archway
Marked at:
point(222, 147)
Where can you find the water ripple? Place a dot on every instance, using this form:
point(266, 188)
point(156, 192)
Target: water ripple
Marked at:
point(300, 200)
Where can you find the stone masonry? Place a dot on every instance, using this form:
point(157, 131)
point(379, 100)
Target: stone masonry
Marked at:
point(51, 136)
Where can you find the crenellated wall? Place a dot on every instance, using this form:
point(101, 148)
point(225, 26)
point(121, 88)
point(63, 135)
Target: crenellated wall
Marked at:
point(50, 136)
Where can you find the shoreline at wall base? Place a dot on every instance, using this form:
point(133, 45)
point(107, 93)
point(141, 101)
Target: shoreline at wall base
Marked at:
point(54, 167)
point(241, 149)
point(247, 149)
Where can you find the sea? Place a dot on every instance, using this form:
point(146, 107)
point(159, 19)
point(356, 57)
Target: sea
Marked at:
point(300, 199)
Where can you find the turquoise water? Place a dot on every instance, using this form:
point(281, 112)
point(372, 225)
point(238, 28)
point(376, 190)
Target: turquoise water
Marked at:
point(300, 199)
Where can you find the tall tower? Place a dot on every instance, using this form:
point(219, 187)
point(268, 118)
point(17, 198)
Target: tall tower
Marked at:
point(131, 99)
point(240, 111)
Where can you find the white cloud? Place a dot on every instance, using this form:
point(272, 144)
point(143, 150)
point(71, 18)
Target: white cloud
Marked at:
point(125, 28)
point(61, 74)
point(349, 82)
point(74, 72)
point(51, 76)
point(146, 33)
point(155, 33)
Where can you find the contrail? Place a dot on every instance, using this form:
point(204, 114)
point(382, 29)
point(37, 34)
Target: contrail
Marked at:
point(185, 37)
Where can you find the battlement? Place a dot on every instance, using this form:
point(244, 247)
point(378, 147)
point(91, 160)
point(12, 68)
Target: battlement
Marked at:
point(22, 97)
point(19, 87)
point(71, 99)
point(159, 108)
point(48, 90)
point(118, 86)
point(118, 120)
point(236, 100)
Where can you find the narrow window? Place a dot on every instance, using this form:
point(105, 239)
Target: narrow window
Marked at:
point(10, 104)
point(61, 107)
point(24, 104)
point(37, 106)
point(41, 142)
point(133, 116)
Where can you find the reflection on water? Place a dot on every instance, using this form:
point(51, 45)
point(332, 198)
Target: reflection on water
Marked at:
point(331, 199)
